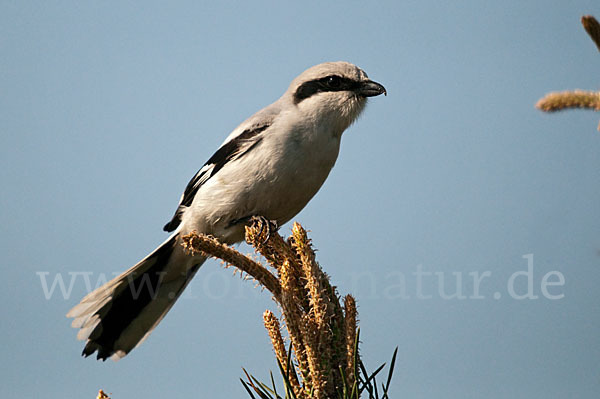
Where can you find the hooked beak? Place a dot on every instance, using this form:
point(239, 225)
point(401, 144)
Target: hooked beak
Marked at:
point(371, 89)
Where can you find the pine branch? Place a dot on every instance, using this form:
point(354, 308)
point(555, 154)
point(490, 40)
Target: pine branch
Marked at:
point(324, 362)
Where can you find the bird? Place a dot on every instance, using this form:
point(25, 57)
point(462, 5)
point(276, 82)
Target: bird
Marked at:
point(270, 166)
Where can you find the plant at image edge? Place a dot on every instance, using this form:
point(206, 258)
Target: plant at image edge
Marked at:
point(577, 98)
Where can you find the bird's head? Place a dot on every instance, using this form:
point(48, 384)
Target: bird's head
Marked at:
point(334, 93)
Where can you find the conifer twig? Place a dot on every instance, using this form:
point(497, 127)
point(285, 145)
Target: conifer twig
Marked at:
point(323, 360)
point(210, 246)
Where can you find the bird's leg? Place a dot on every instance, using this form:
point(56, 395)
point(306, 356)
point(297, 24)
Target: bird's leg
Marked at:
point(259, 221)
point(263, 223)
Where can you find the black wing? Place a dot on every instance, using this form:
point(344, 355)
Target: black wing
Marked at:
point(234, 148)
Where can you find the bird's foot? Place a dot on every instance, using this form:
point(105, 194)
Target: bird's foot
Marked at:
point(262, 223)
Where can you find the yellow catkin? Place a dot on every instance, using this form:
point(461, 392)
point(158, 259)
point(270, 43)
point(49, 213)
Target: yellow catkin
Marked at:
point(324, 316)
point(569, 99)
point(301, 334)
point(272, 326)
point(274, 330)
point(293, 319)
point(310, 275)
point(295, 333)
point(210, 246)
point(318, 378)
point(350, 326)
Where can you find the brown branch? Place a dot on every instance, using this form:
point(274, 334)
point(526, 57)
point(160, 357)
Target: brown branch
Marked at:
point(211, 247)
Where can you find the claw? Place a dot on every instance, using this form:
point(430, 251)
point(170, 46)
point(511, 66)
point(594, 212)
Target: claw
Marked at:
point(270, 225)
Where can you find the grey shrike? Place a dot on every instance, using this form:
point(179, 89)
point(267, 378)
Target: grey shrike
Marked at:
point(270, 166)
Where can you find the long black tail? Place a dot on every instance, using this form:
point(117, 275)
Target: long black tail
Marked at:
point(118, 316)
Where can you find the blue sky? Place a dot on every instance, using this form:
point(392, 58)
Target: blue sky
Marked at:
point(108, 108)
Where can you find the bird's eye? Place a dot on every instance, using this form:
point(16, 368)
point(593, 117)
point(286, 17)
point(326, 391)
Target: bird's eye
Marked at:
point(333, 81)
